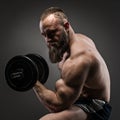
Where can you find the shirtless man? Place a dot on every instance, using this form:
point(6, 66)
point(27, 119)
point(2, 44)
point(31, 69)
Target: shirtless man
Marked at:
point(83, 91)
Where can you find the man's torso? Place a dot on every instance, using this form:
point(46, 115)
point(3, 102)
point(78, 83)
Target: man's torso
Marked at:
point(97, 84)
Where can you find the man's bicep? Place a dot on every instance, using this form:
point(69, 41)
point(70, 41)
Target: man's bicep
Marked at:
point(76, 72)
point(65, 93)
point(77, 69)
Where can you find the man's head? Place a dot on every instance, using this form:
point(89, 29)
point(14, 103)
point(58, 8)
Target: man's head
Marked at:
point(54, 26)
point(58, 12)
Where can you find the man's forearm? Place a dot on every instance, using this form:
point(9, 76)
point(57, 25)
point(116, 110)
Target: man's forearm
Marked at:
point(48, 98)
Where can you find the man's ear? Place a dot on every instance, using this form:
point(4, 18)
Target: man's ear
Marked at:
point(66, 25)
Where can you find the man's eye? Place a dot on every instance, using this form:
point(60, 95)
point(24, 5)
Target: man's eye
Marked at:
point(51, 34)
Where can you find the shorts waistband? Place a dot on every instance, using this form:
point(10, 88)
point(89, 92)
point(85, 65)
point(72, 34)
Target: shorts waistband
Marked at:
point(90, 105)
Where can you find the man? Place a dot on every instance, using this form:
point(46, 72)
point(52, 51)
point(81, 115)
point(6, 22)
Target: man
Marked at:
point(83, 91)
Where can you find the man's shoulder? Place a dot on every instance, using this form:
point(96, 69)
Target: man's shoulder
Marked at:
point(86, 39)
point(85, 57)
point(83, 47)
point(78, 60)
point(80, 35)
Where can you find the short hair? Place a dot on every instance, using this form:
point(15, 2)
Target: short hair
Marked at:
point(58, 12)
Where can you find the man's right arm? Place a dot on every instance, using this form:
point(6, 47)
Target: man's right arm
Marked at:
point(68, 88)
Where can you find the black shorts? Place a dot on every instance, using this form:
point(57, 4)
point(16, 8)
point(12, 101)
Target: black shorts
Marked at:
point(95, 108)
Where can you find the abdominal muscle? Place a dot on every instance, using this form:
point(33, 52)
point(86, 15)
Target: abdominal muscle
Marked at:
point(89, 93)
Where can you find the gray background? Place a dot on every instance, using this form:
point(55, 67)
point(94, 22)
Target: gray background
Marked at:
point(19, 34)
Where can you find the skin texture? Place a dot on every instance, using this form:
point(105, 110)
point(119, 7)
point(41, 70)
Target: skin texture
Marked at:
point(84, 73)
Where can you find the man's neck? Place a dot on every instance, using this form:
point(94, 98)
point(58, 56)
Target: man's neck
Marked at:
point(72, 36)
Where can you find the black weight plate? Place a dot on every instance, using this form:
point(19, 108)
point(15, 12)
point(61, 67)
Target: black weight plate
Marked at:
point(21, 73)
point(42, 66)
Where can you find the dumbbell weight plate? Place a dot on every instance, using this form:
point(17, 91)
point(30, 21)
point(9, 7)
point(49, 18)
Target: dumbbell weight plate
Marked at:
point(21, 73)
point(42, 65)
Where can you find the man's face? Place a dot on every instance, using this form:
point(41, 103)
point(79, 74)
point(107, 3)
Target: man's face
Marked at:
point(56, 38)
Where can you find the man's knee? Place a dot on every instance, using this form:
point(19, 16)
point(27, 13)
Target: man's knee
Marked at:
point(74, 113)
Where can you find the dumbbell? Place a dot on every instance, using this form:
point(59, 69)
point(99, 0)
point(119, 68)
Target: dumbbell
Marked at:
point(22, 71)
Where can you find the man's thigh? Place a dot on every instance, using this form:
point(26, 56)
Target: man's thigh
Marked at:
point(73, 113)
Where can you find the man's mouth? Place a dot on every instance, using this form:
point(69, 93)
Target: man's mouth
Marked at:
point(54, 44)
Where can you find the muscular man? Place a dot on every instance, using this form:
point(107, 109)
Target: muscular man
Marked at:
point(83, 91)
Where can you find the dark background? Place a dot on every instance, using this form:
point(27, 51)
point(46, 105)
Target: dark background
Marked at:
point(19, 34)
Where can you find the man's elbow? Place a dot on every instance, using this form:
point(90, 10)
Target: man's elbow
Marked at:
point(55, 108)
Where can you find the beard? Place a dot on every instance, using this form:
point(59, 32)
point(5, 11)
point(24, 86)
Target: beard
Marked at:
point(56, 52)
